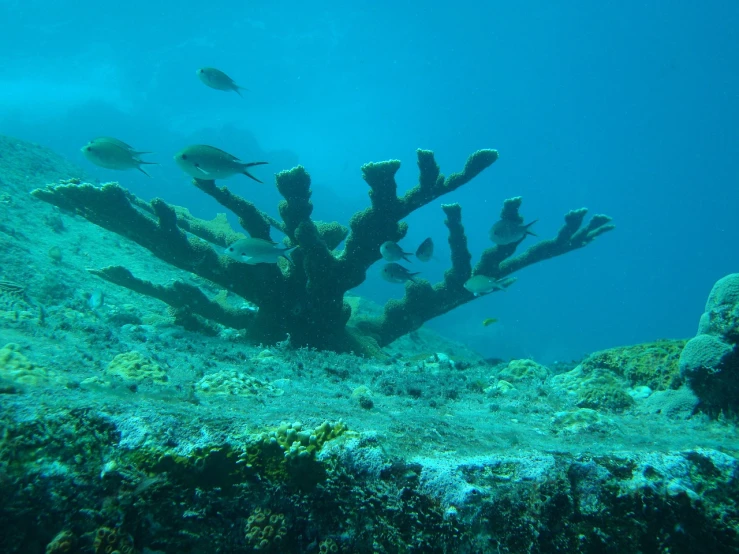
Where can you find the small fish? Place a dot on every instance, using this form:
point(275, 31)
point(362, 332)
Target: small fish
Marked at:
point(482, 284)
point(396, 273)
point(217, 79)
point(507, 231)
point(96, 299)
point(210, 163)
point(425, 250)
point(489, 321)
point(120, 143)
point(256, 251)
point(392, 252)
point(111, 153)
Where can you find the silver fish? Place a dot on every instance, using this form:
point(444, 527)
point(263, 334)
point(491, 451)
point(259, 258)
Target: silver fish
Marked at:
point(96, 299)
point(425, 250)
point(482, 284)
point(210, 163)
point(392, 252)
point(396, 273)
point(111, 153)
point(120, 143)
point(507, 231)
point(218, 80)
point(256, 251)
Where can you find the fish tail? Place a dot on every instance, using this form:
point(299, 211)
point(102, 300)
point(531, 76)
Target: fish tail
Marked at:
point(251, 164)
point(529, 231)
point(251, 176)
point(411, 276)
point(288, 251)
point(405, 257)
point(144, 172)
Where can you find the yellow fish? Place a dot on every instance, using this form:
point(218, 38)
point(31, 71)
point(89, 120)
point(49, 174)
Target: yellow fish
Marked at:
point(488, 321)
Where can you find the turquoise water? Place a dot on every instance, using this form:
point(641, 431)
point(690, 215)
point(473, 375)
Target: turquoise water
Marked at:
point(626, 109)
point(158, 394)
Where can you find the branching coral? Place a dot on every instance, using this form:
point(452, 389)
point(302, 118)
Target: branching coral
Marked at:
point(305, 299)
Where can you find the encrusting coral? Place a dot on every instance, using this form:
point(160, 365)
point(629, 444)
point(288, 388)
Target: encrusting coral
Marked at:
point(305, 299)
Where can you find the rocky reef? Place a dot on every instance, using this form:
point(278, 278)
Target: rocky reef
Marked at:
point(162, 450)
point(131, 425)
point(305, 299)
point(710, 360)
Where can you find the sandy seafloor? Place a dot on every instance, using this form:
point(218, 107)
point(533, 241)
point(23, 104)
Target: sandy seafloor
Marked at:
point(434, 405)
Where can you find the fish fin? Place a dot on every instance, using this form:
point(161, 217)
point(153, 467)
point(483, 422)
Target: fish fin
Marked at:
point(201, 170)
point(144, 172)
point(251, 164)
point(245, 172)
point(284, 253)
point(148, 163)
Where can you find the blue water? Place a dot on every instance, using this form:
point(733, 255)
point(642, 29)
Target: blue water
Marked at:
point(627, 108)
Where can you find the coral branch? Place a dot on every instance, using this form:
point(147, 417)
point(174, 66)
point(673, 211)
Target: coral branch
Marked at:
point(252, 220)
point(496, 261)
point(115, 209)
point(305, 299)
point(179, 295)
point(461, 257)
point(423, 302)
point(382, 221)
point(432, 185)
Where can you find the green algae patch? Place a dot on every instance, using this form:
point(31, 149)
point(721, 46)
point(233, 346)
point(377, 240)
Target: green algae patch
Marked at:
point(600, 389)
point(582, 420)
point(235, 383)
point(523, 370)
point(134, 368)
point(17, 369)
point(652, 364)
point(286, 455)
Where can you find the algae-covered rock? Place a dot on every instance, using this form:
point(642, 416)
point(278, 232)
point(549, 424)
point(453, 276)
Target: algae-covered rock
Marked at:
point(599, 389)
point(229, 382)
point(265, 530)
point(653, 364)
point(15, 367)
point(523, 370)
point(133, 367)
point(303, 443)
point(710, 361)
point(721, 316)
point(582, 420)
point(674, 404)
